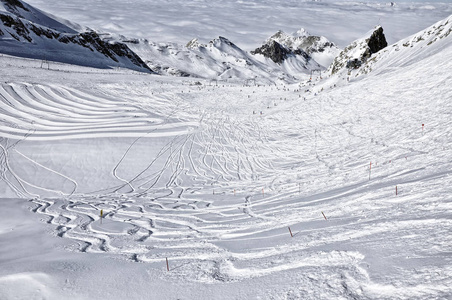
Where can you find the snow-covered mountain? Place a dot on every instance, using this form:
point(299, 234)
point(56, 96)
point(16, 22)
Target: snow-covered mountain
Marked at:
point(25, 11)
point(412, 49)
point(359, 51)
point(27, 32)
point(220, 59)
point(371, 53)
point(303, 43)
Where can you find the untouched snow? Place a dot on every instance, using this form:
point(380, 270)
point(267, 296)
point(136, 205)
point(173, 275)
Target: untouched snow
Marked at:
point(108, 174)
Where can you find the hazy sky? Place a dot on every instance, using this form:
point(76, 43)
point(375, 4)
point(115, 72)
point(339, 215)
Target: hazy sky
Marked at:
point(248, 22)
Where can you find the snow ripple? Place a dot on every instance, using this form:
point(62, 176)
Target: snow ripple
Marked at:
point(38, 112)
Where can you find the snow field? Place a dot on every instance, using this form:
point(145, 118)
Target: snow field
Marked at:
point(188, 172)
point(50, 113)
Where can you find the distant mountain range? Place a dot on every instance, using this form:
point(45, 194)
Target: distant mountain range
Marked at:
point(28, 32)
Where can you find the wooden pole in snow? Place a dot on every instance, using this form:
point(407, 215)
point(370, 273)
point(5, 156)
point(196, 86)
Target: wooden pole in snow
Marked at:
point(324, 216)
point(290, 232)
point(167, 265)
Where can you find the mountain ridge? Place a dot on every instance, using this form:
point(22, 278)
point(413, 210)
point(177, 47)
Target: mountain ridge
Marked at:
point(318, 48)
point(29, 32)
point(22, 37)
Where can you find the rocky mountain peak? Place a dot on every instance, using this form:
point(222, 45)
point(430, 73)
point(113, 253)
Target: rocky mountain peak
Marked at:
point(193, 44)
point(273, 50)
point(377, 40)
point(359, 51)
point(222, 41)
point(13, 5)
point(281, 44)
point(301, 33)
point(30, 39)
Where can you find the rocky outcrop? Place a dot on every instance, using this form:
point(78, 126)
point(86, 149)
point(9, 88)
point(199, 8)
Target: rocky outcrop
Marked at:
point(17, 26)
point(92, 41)
point(358, 52)
point(223, 40)
point(18, 8)
point(24, 31)
point(317, 44)
point(194, 44)
point(274, 51)
point(316, 48)
point(303, 40)
point(277, 52)
point(377, 41)
point(14, 4)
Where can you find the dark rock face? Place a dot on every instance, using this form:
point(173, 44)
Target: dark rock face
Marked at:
point(171, 71)
point(50, 34)
point(354, 64)
point(274, 51)
point(301, 53)
point(377, 41)
point(357, 53)
point(277, 52)
point(89, 39)
point(13, 4)
point(313, 44)
point(92, 41)
point(17, 26)
point(122, 50)
point(23, 30)
point(227, 42)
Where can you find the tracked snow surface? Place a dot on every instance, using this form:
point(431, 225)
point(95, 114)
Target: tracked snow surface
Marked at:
point(117, 184)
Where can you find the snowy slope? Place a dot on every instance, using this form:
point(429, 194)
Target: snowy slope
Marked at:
point(358, 52)
point(248, 192)
point(410, 50)
point(413, 49)
point(36, 16)
point(22, 37)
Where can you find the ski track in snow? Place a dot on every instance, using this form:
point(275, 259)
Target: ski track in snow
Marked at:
point(55, 113)
point(217, 196)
